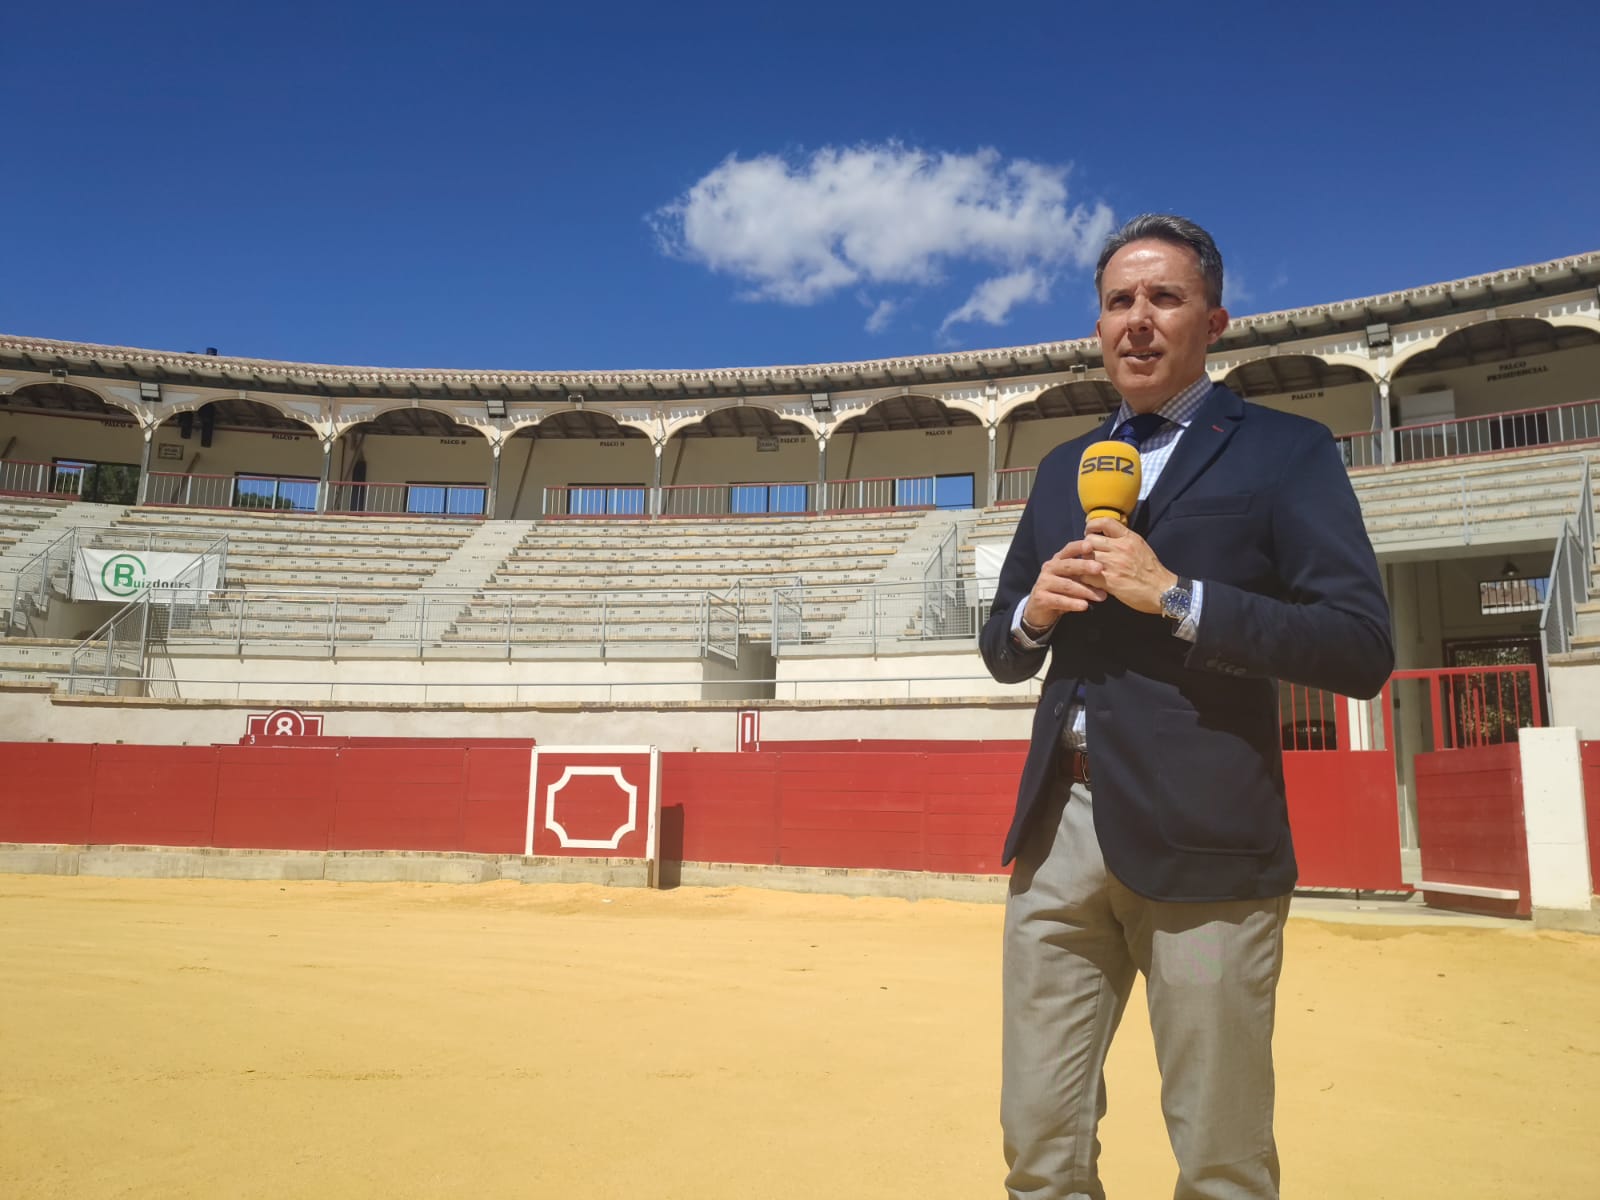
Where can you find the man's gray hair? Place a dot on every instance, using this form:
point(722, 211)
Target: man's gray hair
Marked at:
point(1180, 231)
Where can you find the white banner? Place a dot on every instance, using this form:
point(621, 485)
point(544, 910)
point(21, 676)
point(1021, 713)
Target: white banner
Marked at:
point(987, 559)
point(123, 574)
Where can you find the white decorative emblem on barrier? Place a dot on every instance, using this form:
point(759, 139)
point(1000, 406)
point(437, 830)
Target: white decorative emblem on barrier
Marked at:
point(283, 722)
point(614, 770)
point(749, 738)
point(622, 831)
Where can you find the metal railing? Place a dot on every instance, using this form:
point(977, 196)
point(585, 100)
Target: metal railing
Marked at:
point(111, 660)
point(588, 623)
point(46, 575)
point(258, 492)
point(1498, 432)
point(1361, 450)
point(945, 591)
point(639, 501)
point(881, 493)
point(115, 659)
point(407, 499)
point(720, 620)
point(596, 500)
point(1569, 576)
point(1013, 484)
point(736, 499)
point(544, 686)
point(875, 615)
point(20, 477)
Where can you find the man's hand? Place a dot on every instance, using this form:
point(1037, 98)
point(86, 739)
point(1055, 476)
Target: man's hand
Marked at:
point(1069, 582)
point(1129, 569)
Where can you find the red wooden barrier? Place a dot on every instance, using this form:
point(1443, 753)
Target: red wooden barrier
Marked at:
point(1590, 752)
point(154, 795)
point(719, 808)
point(1343, 810)
point(1471, 827)
point(278, 797)
point(495, 812)
point(46, 792)
point(942, 807)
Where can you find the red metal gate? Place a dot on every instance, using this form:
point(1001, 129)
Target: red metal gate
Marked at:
point(1338, 766)
point(1470, 824)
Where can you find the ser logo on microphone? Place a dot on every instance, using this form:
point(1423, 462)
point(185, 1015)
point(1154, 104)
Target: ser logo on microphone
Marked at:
point(1106, 462)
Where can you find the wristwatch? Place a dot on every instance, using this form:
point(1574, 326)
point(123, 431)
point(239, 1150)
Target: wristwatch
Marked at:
point(1035, 634)
point(1175, 601)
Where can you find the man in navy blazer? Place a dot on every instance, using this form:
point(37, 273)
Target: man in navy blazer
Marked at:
point(1151, 832)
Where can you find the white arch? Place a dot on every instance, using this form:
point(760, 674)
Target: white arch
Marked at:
point(1400, 360)
point(166, 412)
point(1363, 365)
point(1008, 408)
point(518, 425)
point(342, 423)
point(676, 426)
point(110, 400)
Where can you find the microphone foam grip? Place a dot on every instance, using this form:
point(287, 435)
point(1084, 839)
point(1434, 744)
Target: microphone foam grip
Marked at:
point(1108, 480)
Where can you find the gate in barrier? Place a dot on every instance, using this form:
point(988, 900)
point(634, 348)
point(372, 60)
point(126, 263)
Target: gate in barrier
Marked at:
point(1471, 830)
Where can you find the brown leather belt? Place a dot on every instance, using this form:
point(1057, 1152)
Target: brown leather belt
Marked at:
point(1073, 765)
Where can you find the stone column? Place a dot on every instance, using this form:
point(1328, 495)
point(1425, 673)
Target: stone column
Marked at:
point(144, 461)
point(1386, 454)
point(655, 481)
point(491, 502)
point(993, 496)
point(822, 471)
point(322, 484)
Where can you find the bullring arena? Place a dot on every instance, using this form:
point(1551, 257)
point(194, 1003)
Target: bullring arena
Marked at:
point(443, 782)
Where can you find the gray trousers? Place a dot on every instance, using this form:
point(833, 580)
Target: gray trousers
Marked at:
point(1074, 936)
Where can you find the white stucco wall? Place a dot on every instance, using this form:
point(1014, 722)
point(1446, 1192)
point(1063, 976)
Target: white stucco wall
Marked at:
point(33, 715)
point(1529, 381)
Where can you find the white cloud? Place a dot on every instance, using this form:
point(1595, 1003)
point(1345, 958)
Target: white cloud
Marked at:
point(1235, 292)
point(993, 299)
point(798, 232)
point(881, 315)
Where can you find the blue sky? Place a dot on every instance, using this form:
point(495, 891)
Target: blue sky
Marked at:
point(702, 185)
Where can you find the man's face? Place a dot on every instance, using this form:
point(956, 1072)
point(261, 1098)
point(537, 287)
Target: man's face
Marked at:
point(1155, 323)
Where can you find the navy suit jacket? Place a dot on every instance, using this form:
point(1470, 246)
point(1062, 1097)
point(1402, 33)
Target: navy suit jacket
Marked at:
point(1184, 738)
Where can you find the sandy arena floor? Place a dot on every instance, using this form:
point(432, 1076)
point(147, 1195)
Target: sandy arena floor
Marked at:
point(210, 1039)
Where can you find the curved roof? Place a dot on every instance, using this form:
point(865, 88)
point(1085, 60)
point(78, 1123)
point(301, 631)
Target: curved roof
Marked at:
point(971, 366)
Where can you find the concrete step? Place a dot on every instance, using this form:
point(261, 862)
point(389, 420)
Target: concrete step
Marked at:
point(610, 557)
point(267, 579)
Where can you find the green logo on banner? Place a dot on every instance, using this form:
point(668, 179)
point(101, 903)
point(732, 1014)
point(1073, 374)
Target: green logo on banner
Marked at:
point(123, 575)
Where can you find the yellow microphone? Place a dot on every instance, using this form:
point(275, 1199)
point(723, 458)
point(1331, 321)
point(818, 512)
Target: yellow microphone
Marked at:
point(1108, 480)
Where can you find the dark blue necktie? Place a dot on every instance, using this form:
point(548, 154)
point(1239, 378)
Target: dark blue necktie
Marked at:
point(1136, 431)
point(1139, 428)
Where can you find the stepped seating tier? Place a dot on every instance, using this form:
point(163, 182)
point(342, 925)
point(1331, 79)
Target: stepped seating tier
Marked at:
point(1415, 501)
point(291, 550)
point(21, 515)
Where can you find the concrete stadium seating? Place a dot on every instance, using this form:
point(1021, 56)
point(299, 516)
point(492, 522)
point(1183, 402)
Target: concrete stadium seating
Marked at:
point(301, 552)
point(563, 578)
point(645, 582)
point(21, 515)
point(35, 660)
point(1484, 501)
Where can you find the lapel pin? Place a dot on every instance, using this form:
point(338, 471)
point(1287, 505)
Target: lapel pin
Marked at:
point(1218, 428)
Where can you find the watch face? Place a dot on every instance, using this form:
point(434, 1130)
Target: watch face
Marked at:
point(1175, 603)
